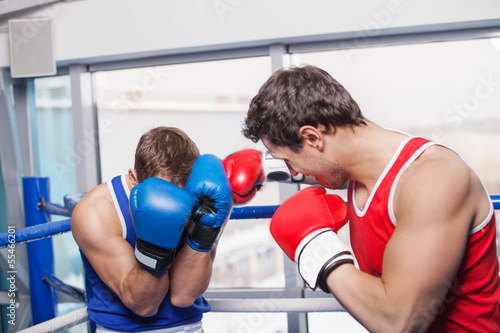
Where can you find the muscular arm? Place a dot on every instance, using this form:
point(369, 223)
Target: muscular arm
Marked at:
point(98, 232)
point(190, 275)
point(421, 258)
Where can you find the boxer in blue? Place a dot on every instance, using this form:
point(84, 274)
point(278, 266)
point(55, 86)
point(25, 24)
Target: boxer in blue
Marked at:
point(148, 238)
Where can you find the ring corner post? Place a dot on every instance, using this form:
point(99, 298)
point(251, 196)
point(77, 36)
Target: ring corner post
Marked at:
point(40, 252)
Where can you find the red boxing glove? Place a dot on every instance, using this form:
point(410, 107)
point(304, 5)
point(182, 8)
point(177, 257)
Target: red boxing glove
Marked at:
point(305, 227)
point(245, 172)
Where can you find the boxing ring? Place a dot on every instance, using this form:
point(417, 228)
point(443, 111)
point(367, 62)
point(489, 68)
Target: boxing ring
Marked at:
point(44, 285)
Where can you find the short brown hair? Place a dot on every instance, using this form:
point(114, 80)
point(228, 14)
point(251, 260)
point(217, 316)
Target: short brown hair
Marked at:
point(165, 151)
point(298, 96)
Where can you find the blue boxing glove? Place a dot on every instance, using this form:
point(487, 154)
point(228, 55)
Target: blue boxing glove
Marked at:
point(210, 187)
point(160, 211)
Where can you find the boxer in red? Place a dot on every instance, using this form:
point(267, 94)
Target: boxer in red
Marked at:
point(422, 224)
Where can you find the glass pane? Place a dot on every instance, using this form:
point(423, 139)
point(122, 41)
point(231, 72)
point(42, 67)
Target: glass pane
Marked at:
point(447, 92)
point(207, 100)
point(53, 136)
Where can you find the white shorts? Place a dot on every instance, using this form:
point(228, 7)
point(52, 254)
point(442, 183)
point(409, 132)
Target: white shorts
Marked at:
point(189, 328)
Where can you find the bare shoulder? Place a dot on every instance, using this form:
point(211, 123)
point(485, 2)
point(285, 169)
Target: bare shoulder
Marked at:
point(438, 182)
point(435, 204)
point(95, 213)
point(438, 163)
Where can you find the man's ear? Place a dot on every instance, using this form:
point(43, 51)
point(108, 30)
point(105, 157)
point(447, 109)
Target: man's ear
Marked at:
point(132, 175)
point(312, 136)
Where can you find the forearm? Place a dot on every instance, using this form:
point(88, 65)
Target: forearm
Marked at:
point(190, 275)
point(373, 304)
point(142, 292)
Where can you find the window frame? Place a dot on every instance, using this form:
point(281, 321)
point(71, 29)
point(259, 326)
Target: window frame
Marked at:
point(84, 104)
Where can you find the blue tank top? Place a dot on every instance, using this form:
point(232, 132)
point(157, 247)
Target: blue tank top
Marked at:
point(105, 307)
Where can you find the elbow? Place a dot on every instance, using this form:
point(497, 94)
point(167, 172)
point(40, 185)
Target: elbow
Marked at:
point(143, 309)
point(411, 322)
point(417, 322)
point(146, 311)
point(182, 300)
point(407, 326)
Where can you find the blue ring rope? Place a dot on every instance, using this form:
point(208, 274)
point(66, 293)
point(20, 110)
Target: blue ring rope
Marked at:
point(35, 232)
point(54, 228)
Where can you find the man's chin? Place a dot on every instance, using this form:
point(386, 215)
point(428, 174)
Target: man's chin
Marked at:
point(332, 186)
point(325, 184)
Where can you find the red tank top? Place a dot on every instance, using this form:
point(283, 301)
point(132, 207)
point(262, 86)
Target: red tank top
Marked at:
point(472, 301)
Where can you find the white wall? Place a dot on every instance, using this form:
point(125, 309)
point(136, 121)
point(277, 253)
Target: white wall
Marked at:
point(101, 30)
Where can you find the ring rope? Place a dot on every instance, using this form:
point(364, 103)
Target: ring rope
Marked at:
point(60, 323)
point(48, 229)
point(53, 228)
point(54, 209)
point(35, 232)
point(70, 202)
point(288, 305)
point(77, 293)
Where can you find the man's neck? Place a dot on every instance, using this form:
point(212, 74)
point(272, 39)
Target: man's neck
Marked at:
point(372, 149)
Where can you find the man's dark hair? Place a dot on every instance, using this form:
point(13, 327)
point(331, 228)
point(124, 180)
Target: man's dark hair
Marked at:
point(298, 96)
point(167, 152)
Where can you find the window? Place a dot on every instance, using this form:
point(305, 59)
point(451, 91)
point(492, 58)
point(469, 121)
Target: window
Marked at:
point(207, 100)
point(53, 137)
point(53, 134)
point(448, 92)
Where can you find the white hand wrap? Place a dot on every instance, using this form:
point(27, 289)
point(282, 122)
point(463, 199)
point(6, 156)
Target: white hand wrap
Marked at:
point(318, 254)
